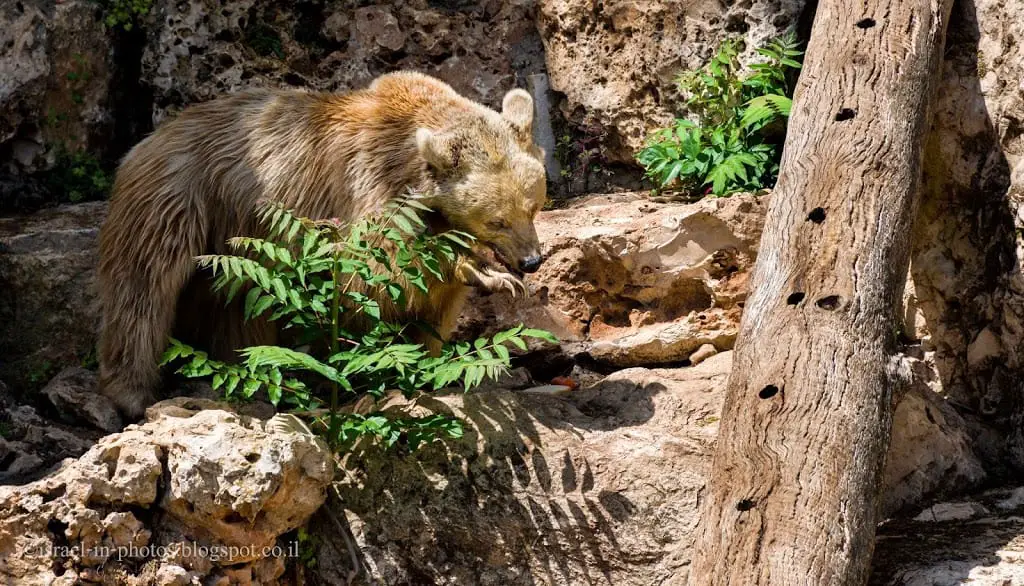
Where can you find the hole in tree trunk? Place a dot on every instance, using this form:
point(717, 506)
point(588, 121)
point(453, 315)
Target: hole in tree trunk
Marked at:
point(845, 114)
point(817, 215)
point(795, 298)
point(829, 303)
point(866, 23)
point(768, 392)
point(744, 505)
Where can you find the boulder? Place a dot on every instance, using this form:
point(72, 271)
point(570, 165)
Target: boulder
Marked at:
point(633, 282)
point(31, 445)
point(48, 317)
point(599, 485)
point(74, 393)
point(188, 496)
point(616, 62)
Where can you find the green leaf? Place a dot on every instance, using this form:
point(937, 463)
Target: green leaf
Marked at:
point(673, 173)
point(250, 301)
point(262, 305)
point(403, 224)
point(250, 386)
point(457, 238)
point(274, 394)
point(540, 334)
point(502, 353)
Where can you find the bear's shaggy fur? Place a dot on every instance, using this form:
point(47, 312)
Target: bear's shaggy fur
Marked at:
point(200, 179)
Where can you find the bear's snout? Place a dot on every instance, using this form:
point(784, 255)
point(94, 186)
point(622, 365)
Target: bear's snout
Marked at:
point(530, 264)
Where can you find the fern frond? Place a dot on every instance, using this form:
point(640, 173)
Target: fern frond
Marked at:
point(764, 109)
point(286, 359)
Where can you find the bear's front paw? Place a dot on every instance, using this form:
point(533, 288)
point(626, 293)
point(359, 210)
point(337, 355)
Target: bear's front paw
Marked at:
point(492, 280)
point(495, 282)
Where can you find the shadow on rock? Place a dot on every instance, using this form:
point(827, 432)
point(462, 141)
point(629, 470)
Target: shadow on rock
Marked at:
point(540, 489)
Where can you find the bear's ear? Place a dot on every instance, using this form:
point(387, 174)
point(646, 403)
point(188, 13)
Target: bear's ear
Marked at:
point(438, 150)
point(517, 108)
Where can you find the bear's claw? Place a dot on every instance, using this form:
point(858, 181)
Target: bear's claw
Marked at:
point(491, 280)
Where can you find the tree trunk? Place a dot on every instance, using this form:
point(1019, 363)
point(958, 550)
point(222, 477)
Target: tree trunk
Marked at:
point(808, 413)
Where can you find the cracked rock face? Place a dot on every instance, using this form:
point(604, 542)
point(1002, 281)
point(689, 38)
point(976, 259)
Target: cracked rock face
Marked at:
point(210, 478)
point(631, 281)
point(56, 66)
point(48, 316)
point(968, 250)
point(636, 283)
point(201, 49)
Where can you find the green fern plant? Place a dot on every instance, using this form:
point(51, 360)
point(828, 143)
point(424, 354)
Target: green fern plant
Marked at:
point(125, 13)
point(320, 280)
point(726, 148)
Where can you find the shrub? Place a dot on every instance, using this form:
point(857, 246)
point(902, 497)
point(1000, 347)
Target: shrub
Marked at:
point(317, 277)
point(725, 146)
point(125, 13)
point(78, 176)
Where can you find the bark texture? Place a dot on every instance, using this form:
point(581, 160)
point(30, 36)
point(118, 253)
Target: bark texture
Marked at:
point(808, 412)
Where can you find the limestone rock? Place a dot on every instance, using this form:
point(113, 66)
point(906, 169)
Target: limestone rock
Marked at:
point(928, 436)
point(968, 247)
point(636, 282)
point(703, 353)
point(30, 445)
point(600, 485)
point(201, 49)
point(672, 342)
point(210, 479)
point(75, 394)
point(633, 281)
point(617, 64)
point(48, 317)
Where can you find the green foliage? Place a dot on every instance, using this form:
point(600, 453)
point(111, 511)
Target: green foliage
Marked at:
point(308, 544)
point(79, 176)
point(726, 148)
point(321, 280)
point(125, 13)
point(264, 40)
point(40, 372)
point(90, 359)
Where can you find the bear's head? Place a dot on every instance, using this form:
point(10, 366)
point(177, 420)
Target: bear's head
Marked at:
point(489, 179)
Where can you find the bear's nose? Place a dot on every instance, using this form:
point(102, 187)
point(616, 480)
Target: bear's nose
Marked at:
point(530, 264)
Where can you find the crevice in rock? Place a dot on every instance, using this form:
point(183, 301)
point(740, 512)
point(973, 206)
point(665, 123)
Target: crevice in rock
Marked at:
point(130, 99)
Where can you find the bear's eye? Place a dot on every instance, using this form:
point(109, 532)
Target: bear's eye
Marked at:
point(497, 224)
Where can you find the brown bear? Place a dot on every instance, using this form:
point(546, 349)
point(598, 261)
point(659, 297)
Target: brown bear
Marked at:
point(201, 178)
